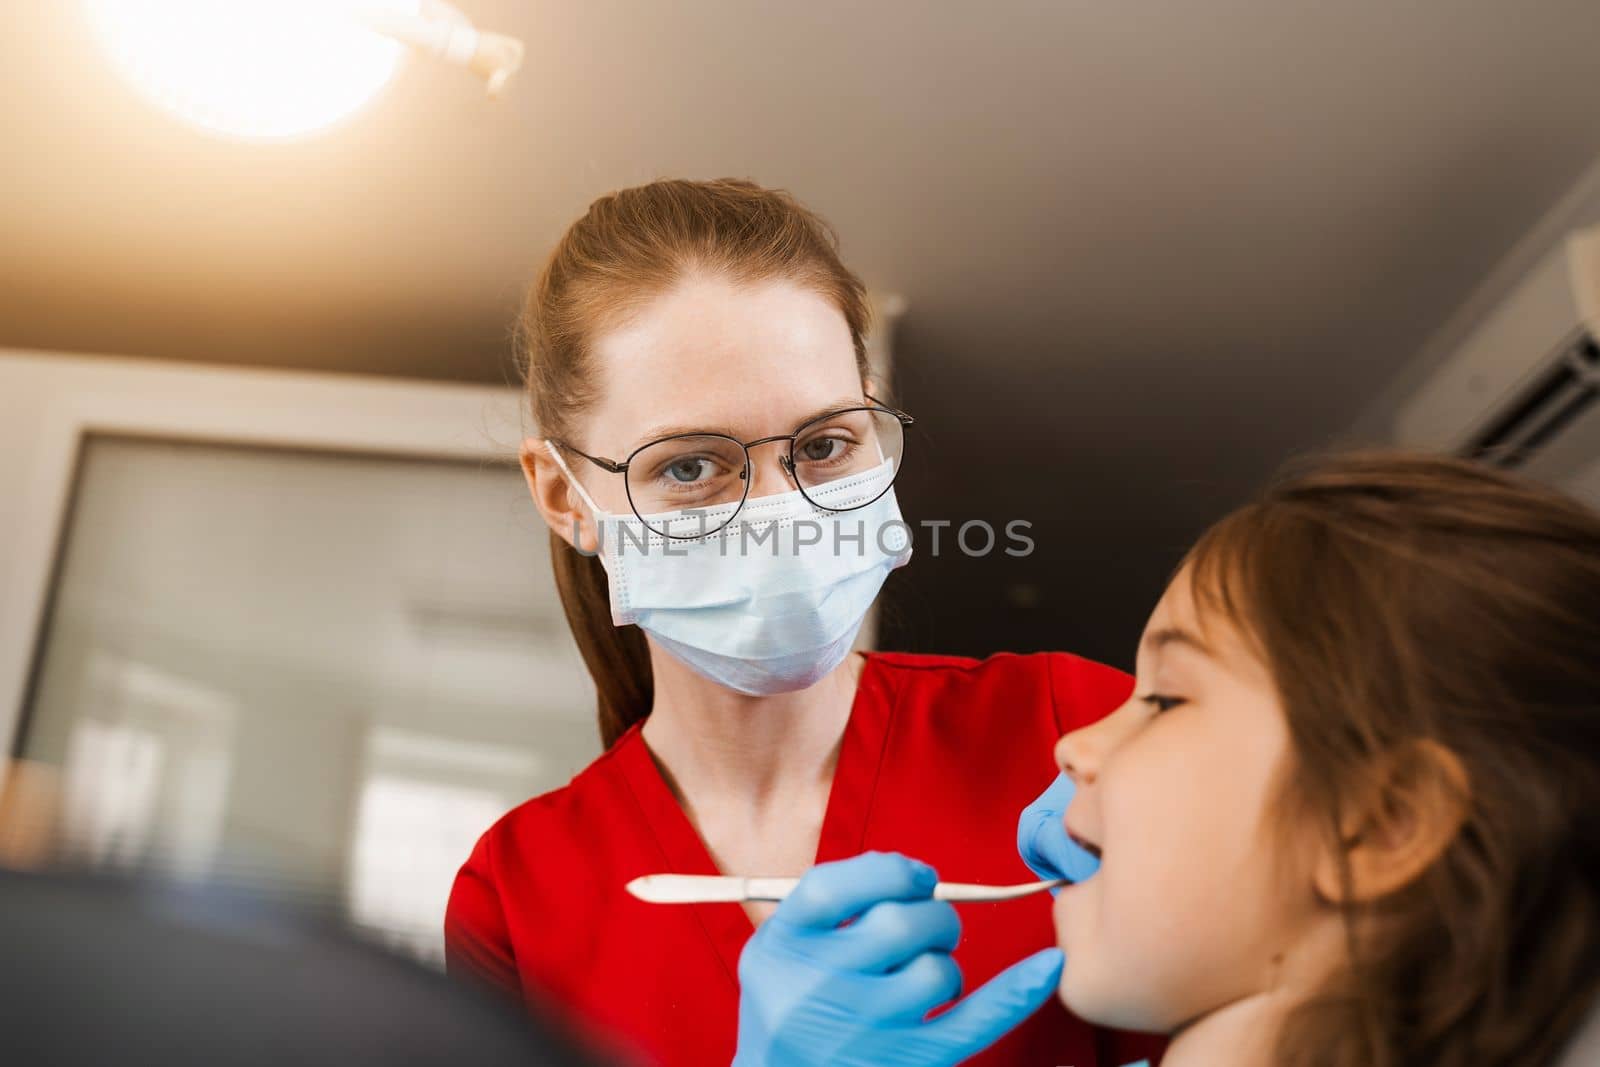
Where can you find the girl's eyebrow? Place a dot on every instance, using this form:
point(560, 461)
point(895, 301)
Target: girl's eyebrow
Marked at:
point(1172, 635)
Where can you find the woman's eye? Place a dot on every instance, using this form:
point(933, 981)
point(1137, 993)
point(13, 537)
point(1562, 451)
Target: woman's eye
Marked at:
point(1162, 703)
point(821, 449)
point(689, 471)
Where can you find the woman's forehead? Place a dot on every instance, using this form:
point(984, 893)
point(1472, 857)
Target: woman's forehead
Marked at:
point(746, 359)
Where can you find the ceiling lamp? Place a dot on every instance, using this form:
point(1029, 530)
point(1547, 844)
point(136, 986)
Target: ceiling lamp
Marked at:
point(278, 69)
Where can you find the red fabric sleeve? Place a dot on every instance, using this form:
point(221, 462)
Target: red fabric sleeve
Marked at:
point(1084, 691)
point(477, 945)
point(1119, 1047)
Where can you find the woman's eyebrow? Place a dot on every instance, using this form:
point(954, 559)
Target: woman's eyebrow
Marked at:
point(833, 409)
point(1172, 635)
point(656, 433)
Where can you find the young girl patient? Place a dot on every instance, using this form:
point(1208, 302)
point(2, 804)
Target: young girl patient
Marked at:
point(1351, 815)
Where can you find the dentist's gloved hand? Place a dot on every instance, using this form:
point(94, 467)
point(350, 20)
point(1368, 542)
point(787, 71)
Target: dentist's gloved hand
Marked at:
point(814, 992)
point(1042, 837)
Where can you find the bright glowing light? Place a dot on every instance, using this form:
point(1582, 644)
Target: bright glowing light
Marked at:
point(259, 69)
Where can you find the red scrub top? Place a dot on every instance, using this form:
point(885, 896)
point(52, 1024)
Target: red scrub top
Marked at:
point(939, 757)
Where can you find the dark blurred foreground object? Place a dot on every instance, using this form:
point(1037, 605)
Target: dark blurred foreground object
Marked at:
point(95, 972)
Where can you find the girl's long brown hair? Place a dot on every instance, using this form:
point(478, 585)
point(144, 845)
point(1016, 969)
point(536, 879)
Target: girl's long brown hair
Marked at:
point(630, 246)
point(1398, 598)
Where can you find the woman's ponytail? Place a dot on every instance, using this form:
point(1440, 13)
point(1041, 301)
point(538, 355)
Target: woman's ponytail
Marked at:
point(617, 656)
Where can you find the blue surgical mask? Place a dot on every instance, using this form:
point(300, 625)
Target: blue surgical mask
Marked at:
point(771, 602)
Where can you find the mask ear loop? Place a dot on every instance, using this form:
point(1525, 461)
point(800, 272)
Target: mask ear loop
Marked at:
point(594, 509)
point(555, 453)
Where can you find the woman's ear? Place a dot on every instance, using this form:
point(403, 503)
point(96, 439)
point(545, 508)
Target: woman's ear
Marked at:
point(554, 496)
point(1416, 801)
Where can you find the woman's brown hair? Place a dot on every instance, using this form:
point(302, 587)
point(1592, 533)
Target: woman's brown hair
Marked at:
point(631, 246)
point(1400, 599)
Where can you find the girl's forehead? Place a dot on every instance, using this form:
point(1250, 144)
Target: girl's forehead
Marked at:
point(1177, 608)
point(1196, 619)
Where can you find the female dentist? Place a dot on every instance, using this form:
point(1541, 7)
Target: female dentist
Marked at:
point(718, 478)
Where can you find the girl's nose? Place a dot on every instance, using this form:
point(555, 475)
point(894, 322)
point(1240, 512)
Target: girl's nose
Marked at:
point(1078, 757)
point(1082, 754)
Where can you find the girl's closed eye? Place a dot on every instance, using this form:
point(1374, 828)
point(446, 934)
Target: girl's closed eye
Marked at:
point(1162, 702)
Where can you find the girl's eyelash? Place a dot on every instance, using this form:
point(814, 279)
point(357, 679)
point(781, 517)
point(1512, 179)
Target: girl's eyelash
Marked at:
point(1161, 703)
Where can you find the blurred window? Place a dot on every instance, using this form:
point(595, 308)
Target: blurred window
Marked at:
point(318, 672)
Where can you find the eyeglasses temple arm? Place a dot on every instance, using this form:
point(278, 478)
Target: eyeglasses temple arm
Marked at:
point(599, 461)
point(905, 420)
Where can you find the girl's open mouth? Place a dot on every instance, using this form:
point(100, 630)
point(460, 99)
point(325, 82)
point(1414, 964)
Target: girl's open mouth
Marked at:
point(1088, 846)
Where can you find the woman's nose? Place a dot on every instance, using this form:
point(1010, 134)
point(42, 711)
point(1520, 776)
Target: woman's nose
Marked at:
point(769, 474)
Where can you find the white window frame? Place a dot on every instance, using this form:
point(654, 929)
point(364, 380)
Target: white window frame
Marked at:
point(51, 402)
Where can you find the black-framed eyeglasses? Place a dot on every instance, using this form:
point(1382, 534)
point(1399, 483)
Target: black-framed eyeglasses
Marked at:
point(707, 471)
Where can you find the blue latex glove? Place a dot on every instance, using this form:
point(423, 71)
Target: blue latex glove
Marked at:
point(1042, 837)
point(812, 991)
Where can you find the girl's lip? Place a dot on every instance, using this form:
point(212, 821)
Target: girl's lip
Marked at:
point(1088, 846)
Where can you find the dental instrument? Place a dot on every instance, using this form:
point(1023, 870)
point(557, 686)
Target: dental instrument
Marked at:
point(713, 888)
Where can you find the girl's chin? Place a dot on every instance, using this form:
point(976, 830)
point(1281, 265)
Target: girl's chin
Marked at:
point(1060, 914)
